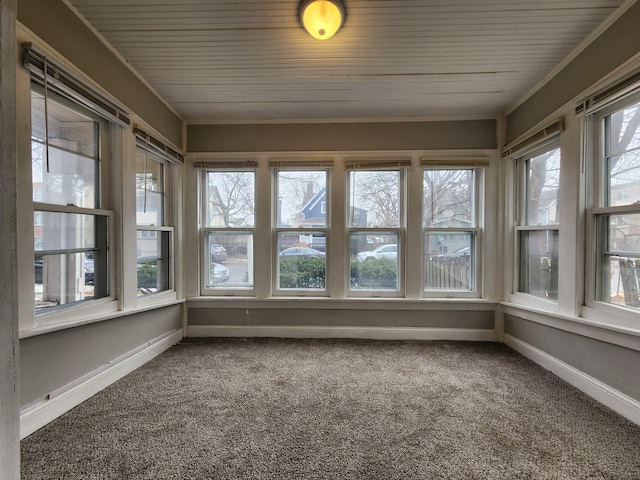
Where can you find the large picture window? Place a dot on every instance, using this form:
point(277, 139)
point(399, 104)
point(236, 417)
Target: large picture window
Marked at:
point(228, 229)
point(616, 217)
point(71, 228)
point(538, 229)
point(301, 230)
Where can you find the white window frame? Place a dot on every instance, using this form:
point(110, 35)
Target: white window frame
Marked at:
point(476, 230)
point(521, 225)
point(276, 168)
point(74, 312)
point(400, 231)
point(165, 226)
point(597, 182)
point(227, 166)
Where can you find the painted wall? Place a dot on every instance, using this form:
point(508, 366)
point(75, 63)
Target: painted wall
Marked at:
point(57, 25)
point(371, 136)
point(310, 317)
point(49, 362)
point(614, 365)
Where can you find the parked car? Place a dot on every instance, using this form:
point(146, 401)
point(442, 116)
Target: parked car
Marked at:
point(220, 274)
point(389, 250)
point(300, 252)
point(218, 253)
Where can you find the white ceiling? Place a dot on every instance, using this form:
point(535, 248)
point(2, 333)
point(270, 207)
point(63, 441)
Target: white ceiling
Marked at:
point(249, 60)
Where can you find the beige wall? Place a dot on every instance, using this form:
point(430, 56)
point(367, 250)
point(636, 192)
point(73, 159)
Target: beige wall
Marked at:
point(54, 23)
point(618, 44)
point(443, 135)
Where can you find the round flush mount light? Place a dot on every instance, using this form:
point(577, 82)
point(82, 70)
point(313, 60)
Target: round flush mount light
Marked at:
point(322, 18)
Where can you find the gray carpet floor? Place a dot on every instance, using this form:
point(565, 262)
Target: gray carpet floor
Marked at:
point(336, 409)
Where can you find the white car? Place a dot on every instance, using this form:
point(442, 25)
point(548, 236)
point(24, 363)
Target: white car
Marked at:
point(383, 251)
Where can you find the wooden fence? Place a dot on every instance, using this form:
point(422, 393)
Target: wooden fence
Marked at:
point(447, 273)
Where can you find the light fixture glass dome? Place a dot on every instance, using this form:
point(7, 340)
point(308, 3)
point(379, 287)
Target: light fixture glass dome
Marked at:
point(322, 18)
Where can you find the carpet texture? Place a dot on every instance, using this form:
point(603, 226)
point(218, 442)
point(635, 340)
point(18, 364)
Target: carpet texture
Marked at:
point(336, 409)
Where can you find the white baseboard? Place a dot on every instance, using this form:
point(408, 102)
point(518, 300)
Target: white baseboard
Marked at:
point(376, 333)
point(49, 409)
point(603, 393)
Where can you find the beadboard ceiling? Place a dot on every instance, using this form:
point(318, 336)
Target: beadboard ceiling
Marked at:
point(249, 60)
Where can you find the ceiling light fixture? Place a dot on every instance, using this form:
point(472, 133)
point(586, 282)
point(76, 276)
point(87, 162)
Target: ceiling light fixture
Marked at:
point(322, 18)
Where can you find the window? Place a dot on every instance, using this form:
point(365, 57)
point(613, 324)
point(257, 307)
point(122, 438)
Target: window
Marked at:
point(450, 222)
point(376, 230)
point(616, 216)
point(538, 227)
point(228, 229)
point(301, 230)
point(71, 229)
point(154, 235)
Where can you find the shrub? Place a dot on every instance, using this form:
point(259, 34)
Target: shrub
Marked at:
point(147, 276)
point(374, 273)
point(302, 272)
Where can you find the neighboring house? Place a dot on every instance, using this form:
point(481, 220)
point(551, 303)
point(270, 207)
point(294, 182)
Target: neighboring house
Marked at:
point(314, 212)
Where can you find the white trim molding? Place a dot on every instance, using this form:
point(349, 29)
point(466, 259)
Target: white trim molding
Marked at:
point(374, 333)
point(603, 393)
point(36, 416)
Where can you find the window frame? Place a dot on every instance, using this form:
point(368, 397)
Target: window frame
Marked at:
point(205, 230)
point(477, 231)
point(521, 223)
point(277, 230)
point(599, 211)
point(166, 225)
point(69, 313)
point(400, 230)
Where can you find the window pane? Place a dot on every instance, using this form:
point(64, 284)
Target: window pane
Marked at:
point(539, 263)
point(449, 261)
point(149, 189)
point(448, 198)
point(543, 181)
point(624, 234)
point(153, 261)
point(623, 130)
point(64, 279)
point(619, 270)
point(623, 156)
point(230, 199)
point(374, 261)
point(66, 231)
point(302, 197)
point(300, 266)
point(71, 179)
point(229, 262)
point(68, 129)
point(374, 199)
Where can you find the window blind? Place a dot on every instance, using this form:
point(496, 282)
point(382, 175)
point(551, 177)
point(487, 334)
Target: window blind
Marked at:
point(65, 83)
point(373, 163)
point(537, 140)
point(455, 162)
point(297, 163)
point(614, 92)
point(151, 144)
point(226, 164)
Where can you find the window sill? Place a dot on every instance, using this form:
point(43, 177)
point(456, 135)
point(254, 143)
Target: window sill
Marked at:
point(600, 327)
point(44, 328)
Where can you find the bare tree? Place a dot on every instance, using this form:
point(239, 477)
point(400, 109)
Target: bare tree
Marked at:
point(231, 198)
point(378, 192)
point(447, 197)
